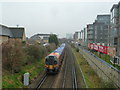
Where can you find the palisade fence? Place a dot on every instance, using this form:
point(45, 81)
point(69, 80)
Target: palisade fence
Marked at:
point(104, 70)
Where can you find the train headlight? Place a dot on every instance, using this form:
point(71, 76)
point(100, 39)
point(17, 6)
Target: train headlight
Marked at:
point(46, 65)
point(56, 66)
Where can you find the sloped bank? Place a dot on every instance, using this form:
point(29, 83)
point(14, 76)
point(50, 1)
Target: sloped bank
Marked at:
point(104, 70)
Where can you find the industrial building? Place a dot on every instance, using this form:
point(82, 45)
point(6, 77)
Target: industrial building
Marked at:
point(39, 38)
point(11, 33)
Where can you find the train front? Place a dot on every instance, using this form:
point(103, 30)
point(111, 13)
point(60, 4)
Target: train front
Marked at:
point(52, 61)
point(51, 64)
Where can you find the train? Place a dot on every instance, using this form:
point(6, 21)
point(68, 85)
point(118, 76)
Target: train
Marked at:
point(54, 60)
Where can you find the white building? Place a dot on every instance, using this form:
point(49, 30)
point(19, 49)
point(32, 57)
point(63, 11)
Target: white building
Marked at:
point(69, 36)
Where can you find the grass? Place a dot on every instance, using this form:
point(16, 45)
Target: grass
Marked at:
point(15, 80)
point(92, 79)
point(106, 58)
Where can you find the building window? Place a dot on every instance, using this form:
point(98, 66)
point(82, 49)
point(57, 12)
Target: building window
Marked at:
point(115, 41)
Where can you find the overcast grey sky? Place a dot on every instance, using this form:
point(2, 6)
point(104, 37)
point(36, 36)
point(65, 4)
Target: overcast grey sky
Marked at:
point(55, 17)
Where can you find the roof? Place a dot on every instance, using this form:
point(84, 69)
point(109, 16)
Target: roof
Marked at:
point(13, 32)
point(43, 34)
point(103, 15)
point(114, 6)
point(119, 4)
point(5, 31)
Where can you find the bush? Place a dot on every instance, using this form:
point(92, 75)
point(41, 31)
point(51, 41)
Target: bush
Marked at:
point(51, 47)
point(12, 56)
point(72, 44)
point(108, 84)
point(35, 52)
point(24, 42)
point(15, 55)
point(77, 50)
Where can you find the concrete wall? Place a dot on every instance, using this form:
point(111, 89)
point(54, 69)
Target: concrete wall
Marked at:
point(24, 37)
point(104, 70)
point(3, 39)
point(6, 38)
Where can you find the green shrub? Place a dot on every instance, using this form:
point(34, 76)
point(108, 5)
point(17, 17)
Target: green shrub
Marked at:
point(72, 44)
point(108, 84)
point(51, 47)
point(77, 50)
point(24, 42)
point(35, 52)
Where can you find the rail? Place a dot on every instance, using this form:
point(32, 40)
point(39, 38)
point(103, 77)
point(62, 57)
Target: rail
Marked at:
point(41, 81)
point(74, 78)
point(63, 85)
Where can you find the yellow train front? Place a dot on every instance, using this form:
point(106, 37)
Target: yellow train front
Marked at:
point(54, 60)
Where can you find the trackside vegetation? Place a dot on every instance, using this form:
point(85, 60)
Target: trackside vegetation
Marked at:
point(15, 80)
point(19, 58)
point(105, 58)
point(92, 79)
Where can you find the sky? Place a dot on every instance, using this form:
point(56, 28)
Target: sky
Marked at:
point(52, 17)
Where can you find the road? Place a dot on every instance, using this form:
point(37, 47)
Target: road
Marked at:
point(69, 76)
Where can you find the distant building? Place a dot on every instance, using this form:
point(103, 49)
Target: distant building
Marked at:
point(85, 36)
point(76, 36)
point(90, 33)
point(69, 36)
point(81, 35)
point(11, 33)
point(115, 31)
point(40, 38)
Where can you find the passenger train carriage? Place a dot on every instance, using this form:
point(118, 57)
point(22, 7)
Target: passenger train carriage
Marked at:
point(54, 60)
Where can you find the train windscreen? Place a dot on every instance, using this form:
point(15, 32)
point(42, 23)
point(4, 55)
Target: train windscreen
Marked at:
point(50, 60)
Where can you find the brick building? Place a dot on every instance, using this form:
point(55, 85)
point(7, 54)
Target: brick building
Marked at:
point(90, 33)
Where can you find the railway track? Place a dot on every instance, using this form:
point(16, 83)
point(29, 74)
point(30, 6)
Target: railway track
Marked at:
point(63, 85)
point(70, 64)
point(74, 80)
point(41, 81)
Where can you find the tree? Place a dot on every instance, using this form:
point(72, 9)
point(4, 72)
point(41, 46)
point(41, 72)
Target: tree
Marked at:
point(53, 39)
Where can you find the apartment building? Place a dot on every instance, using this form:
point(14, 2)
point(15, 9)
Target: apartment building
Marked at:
point(98, 31)
point(115, 31)
point(76, 36)
point(101, 28)
point(85, 36)
point(90, 33)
